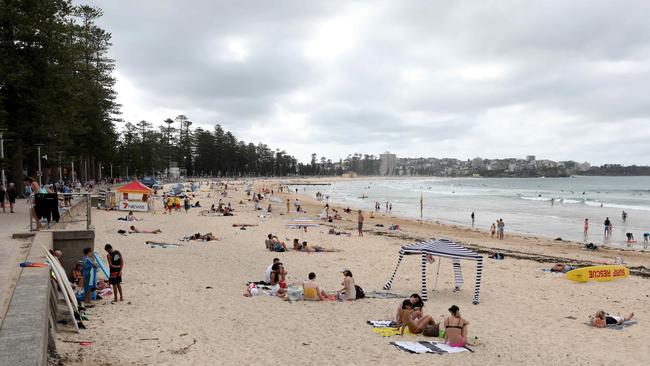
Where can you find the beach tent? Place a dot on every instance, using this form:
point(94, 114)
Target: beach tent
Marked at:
point(134, 197)
point(441, 248)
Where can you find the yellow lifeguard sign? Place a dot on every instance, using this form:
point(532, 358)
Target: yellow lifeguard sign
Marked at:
point(598, 273)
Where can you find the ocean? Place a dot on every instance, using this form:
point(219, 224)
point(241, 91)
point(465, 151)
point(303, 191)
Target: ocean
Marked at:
point(548, 207)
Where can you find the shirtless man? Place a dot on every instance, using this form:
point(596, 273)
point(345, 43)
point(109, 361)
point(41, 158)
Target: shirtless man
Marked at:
point(134, 230)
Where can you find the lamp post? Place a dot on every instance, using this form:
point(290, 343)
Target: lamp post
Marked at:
point(39, 173)
point(2, 158)
point(60, 169)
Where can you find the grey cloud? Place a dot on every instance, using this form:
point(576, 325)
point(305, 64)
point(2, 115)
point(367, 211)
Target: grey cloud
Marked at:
point(583, 62)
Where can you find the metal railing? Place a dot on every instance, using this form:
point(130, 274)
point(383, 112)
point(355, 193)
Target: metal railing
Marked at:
point(72, 208)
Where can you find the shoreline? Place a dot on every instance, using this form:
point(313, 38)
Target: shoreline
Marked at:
point(594, 238)
point(514, 242)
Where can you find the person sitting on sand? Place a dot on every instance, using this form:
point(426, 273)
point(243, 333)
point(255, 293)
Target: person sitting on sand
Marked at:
point(134, 230)
point(311, 289)
point(212, 209)
point(77, 274)
point(277, 245)
point(603, 319)
point(197, 204)
point(562, 268)
point(416, 302)
point(131, 217)
point(349, 291)
point(455, 328)
point(278, 286)
point(413, 319)
point(227, 212)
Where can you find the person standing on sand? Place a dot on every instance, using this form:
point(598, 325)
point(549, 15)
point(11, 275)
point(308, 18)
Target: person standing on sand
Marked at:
point(586, 227)
point(607, 225)
point(116, 265)
point(500, 228)
point(472, 216)
point(360, 223)
point(288, 206)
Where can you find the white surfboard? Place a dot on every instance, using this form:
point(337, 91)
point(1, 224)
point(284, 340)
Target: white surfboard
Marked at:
point(68, 291)
point(61, 281)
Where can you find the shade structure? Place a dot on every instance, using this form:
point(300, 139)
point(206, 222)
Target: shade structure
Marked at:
point(135, 187)
point(302, 223)
point(441, 248)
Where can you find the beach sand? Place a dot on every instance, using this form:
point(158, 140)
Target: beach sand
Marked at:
point(184, 306)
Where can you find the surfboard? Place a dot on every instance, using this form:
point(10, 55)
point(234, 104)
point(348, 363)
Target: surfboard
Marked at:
point(62, 281)
point(101, 265)
point(60, 272)
point(598, 273)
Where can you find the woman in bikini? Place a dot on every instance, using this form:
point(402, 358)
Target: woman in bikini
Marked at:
point(413, 319)
point(416, 304)
point(455, 328)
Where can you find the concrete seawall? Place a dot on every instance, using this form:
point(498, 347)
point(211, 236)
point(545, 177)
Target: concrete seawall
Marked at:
point(25, 328)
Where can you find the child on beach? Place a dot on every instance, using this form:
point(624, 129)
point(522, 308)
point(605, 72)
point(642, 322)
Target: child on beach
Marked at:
point(116, 265)
point(88, 267)
point(493, 229)
point(360, 223)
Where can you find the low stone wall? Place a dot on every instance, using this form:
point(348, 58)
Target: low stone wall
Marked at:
point(25, 330)
point(71, 243)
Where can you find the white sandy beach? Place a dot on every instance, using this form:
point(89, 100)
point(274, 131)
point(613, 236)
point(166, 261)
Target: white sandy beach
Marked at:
point(184, 306)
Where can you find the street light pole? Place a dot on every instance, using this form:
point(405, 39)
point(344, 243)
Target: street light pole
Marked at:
point(60, 169)
point(40, 173)
point(2, 156)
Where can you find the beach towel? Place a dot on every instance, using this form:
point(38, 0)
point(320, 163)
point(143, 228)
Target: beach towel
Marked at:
point(389, 332)
point(154, 244)
point(427, 347)
point(385, 295)
point(382, 323)
point(616, 326)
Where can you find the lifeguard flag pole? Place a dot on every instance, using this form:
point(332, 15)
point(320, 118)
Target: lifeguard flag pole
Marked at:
point(421, 206)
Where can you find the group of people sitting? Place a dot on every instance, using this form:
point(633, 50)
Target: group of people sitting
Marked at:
point(275, 276)
point(225, 210)
point(274, 244)
point(410, 316)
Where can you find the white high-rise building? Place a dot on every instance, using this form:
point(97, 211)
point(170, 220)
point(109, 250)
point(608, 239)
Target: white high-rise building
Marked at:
point(387, 163)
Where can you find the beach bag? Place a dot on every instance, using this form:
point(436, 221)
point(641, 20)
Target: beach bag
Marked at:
point(431, 330)
point(360, 293)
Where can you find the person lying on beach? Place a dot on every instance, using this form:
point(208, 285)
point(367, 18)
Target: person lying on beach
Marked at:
point(455, 328)
point(304, 248)
point(204, 237)
point(562, 268)
point(413, 319)
point(311, 289)
point(243, 225)
point(603, 319)
point(333, 231)
point(134, 230)
point(416, 302)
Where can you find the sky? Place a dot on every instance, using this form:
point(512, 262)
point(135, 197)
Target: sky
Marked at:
point(562, 80)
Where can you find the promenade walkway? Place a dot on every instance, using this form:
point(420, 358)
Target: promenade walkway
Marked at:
point(12, 251)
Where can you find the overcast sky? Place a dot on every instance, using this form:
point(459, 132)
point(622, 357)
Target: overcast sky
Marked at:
point(557, 79)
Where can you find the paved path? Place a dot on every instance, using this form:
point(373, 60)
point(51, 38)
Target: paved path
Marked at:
point(12, 251)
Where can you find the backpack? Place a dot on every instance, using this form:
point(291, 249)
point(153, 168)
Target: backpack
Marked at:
point(360, 293)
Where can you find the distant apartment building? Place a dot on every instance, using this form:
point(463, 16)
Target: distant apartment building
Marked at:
point(530, 158)
point(387, 163)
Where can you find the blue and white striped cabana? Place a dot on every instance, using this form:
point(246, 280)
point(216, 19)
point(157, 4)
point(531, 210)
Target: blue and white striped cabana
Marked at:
point(441, 248)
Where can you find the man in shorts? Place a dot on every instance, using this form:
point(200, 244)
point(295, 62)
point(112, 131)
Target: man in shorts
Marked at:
point(11, 195)
point(115, 265)
point(360, 223)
